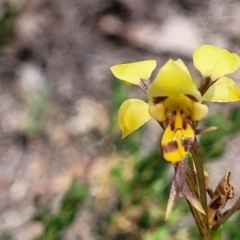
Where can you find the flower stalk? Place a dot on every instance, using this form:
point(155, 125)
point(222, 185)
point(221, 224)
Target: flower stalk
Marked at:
point(200, 218)
point(200, 178)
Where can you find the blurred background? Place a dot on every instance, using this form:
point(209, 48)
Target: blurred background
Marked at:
point(65, 173)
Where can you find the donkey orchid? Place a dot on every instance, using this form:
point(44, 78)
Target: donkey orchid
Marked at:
point(174, 100)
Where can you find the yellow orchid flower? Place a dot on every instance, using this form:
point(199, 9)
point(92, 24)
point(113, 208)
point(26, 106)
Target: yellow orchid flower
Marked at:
point(174, 99)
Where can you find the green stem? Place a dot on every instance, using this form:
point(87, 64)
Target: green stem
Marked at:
point(200, 221)
point(200, 178)
point(217, 235)
point(199, 218)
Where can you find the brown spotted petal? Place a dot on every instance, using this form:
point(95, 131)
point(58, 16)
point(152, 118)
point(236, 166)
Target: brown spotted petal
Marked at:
point(177, 138)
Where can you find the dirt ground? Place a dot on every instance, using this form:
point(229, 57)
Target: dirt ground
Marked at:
point(55, 88)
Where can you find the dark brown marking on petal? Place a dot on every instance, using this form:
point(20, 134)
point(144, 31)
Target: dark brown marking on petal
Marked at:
point(187, 143)
point(184, 123)
point(170, 147)
point(191, 97)
point(206, 83)
point(144, 84)
point(158, 99)
point(172, 121)
point(177, 129)
point(172, 125)
point(184, 120)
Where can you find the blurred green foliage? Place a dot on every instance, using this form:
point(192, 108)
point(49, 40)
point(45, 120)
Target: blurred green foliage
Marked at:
point(38, 107)
point(231, 228)
point(213, 144)
point(142, 199)
point(54, 224)
point(5, 236)
point(6, 24)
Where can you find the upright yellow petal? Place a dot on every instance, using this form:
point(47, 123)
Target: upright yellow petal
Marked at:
point(171, 80)
point(215, 62)
point(134, 72)
point(132, 114)
point(182, 65)
point(223, 90)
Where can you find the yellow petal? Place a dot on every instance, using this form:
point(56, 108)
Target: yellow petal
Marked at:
point(134, 72)
point(158, 112)
point(214, 61)
point(171, 149)
point(132, 114)
point(198, 111)
point(223, 90)
point(182, 65)
point(171, 80)
point(173, 143)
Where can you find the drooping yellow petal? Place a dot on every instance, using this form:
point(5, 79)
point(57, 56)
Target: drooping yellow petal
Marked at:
point(215, 62)
point(223, 90)
point(132, 73)
point(171, 80)
point(177, 138)
point(132, 114)
point(171, 149)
